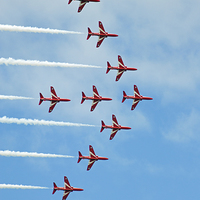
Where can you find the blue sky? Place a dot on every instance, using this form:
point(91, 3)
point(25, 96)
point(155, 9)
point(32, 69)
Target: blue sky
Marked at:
point(159, 157)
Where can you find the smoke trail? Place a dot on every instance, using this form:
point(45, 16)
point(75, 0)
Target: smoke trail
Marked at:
point(11, 61)
point(11, 186)
point(34, 30)
point(13, 97)
point(39, 122)
point(33, 154)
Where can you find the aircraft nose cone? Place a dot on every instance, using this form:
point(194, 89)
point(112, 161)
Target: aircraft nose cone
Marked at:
point(128, 127)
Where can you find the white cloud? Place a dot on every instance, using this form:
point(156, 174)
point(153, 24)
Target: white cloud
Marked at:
point(185, 129)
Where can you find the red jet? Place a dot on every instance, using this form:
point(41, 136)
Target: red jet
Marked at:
point(121, 68)
point(92, 158)
point(96, 98)
point(102, 34)
point(115, 127)
point(136, 98)
point(54, 99)
point(67, 188)
point(82, 3)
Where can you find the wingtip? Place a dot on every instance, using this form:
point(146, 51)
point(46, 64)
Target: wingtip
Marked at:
point(50, 110)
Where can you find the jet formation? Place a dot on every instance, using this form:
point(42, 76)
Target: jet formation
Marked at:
point(96, 98)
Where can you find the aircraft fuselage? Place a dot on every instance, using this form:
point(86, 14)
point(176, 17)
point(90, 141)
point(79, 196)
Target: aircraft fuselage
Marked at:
point(125, 68)
point(138, 98)
point(89, 1)
point(93, 158)
point(99, 99)
point(55, 100)
point(104, 35)
point(119, 127)
point(68, 189)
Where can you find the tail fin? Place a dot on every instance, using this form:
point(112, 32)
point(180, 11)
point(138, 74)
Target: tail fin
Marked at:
point(83, 97)
point(124, 96)
point(79, 159)
point(70, 1)
point(89, 33)
point(102, 125)
point(54, 186)
point(108, 67)
point(41, 97)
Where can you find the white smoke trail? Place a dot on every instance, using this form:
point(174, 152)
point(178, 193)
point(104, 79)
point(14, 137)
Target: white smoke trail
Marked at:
point(33, 154)
point(34, 30)
point(11, 186)
point(11, 61)
point(39, 122)
point(13, 97)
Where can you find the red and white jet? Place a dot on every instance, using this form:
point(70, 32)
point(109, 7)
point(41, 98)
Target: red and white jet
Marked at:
point(67, 188)
point(115, 127)
point(136, 98)
point(54, 99)
point(121, 68)
point(92, 158)
point(102, 34)
point(82, 3)
point(96, 98)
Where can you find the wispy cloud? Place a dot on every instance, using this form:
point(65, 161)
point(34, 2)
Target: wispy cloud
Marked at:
point(7, 120)
point(185, 129)
point(34, 30)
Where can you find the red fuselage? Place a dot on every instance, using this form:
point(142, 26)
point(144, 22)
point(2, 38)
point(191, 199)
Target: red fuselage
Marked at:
point(90, 0)
point(55, 100)
point(99, 99)
point(68, 189)
point(125, 68)
point(119, 127)
point(138, 98)
point(105, 34)
point(87, 1)
point(92, 158)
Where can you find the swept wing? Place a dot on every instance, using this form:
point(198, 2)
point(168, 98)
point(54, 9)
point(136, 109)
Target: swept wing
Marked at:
point(81, 5)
